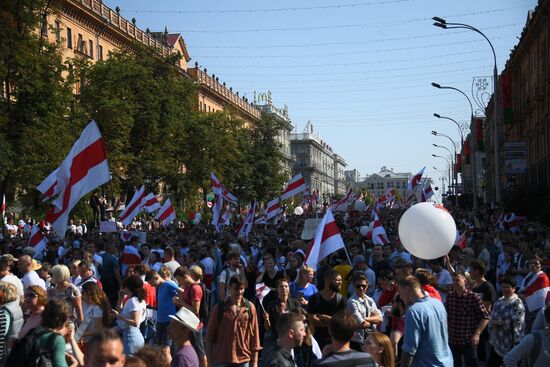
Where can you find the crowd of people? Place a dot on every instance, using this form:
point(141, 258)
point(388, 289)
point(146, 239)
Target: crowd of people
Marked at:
point(187, 295)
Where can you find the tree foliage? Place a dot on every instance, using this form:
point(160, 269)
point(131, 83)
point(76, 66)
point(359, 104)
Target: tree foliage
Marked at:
point(144, 106)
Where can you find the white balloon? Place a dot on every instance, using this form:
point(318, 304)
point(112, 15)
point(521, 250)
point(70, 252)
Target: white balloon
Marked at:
point(364, 230)
point(298, 210)
point(196, 220)
point(359, 205)
point(428, 232)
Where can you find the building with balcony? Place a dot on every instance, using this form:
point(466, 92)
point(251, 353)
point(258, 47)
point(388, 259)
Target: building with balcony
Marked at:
point(380, 182)
point(322, 169)
point(88, 29)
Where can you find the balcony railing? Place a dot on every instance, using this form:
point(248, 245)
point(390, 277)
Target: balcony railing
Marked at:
point(126, 27)
point(220, 89)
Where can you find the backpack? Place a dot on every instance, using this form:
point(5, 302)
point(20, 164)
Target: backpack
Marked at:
point(204, 310)
point(27, 353)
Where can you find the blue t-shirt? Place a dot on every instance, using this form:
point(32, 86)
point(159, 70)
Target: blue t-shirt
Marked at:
point(165, 292)
point(426, 336)
point(308, 291)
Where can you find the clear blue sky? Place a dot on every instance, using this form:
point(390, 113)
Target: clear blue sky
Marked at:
point(360, 73)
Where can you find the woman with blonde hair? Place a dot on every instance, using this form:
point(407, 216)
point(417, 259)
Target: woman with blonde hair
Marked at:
point(11, 302)
point(97, 314)
point(75, 274)
point(303, 287)
point(380, 347)
point(65, 290)
point(34, 302)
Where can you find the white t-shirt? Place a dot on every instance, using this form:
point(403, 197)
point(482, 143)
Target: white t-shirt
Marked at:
point(12, 279)
point(32, 278)
point(209, 265)
point(132, 305)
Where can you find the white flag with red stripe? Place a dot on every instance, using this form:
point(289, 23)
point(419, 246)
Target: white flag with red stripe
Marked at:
point(246, 226)
point(415, 180)
point(536, 291)
point(150, 203)
point(273, 208)
point(327, 240)
point(166, 213)
point(427, 193)
point(4, 207)
point(37, 241)
point(49, 187)
point(133, 207)
point(261, 291)
point(343, 203)
point(218, 187)
point(84, 169)
point(379, 236)
point(295, 186)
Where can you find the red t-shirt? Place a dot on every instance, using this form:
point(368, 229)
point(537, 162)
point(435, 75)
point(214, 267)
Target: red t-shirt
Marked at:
point(387, 296)
point(150, 295)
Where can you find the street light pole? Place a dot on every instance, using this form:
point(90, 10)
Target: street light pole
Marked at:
point(454, 175)
point(448, 163)
point(442, 23)
point(461, 147)
point(474, 142)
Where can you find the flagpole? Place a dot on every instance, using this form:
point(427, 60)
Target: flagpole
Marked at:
point(347, 255)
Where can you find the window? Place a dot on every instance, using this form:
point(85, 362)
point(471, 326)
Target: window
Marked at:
point(80, 43)
point(44, 25)
point(91, 48)
point(99, 52)
point(69, 38)
point(57, 31)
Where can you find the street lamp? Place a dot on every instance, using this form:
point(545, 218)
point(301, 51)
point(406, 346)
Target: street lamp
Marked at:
point(442, 23)
point(455, 185)
point(448, 163)
point(474, 172)
point(456, 123)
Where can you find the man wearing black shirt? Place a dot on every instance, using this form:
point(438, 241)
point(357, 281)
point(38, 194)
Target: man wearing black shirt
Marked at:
point(488, 295)
point(325, 303)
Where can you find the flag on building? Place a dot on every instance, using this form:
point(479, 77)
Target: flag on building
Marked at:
point(37, 241)
point(327, 240)
point(166, 213)
point(133, 207)
point(295, 186)
point(84, 169)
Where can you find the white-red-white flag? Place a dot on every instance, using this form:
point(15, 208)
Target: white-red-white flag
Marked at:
point(133, 207)
point(150, 203)
point(273, 208)
point(84, 169)
point(219, 188)
point(49, 187)
point(379, 236)
point(246, 226)
point(217, 212)
point(415, 180)
point(295, 186)
point(327, 240)
point(4, 207)
point(261, 291)
point(427, 193)
point(37, 241)
point(343, 203)
point(166, 213)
